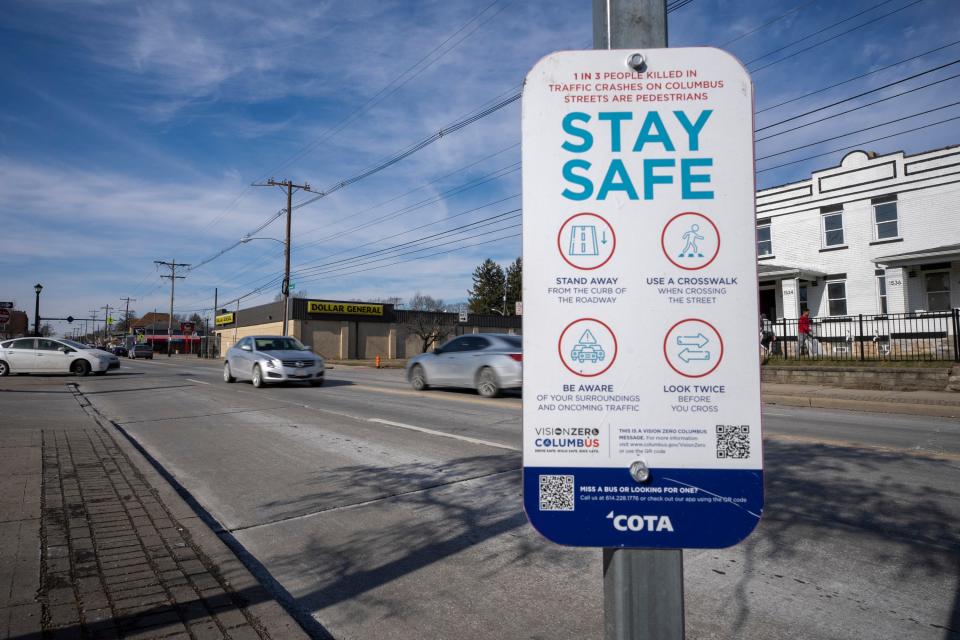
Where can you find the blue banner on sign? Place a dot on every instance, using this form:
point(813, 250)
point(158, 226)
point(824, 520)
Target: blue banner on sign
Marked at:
point(675, 509)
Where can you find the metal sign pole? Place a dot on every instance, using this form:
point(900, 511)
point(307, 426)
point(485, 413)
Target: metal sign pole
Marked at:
point(642, 588)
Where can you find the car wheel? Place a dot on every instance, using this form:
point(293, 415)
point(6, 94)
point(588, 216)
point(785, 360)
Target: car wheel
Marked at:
point(227, 375)
point(487, 384)
point(4, 369)
point(80, 368)
point(418, 378)
point(257, 378)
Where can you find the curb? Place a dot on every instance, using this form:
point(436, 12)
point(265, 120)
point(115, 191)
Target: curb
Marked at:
point(873, 406)
point(270, 616)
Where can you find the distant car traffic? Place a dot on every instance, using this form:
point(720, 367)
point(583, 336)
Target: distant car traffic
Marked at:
point(141, 351)
point(488, 362)
point(272, 359)
point(119, 350)
point(49, 355)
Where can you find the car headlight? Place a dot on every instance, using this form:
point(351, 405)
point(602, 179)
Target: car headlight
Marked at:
point(270, 364)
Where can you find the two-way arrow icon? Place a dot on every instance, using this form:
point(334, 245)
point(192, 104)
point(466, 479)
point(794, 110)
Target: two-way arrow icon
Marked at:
point(699, 341)
point(691, 354)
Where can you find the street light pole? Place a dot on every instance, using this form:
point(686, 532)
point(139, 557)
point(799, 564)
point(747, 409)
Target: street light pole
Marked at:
point(36, 311)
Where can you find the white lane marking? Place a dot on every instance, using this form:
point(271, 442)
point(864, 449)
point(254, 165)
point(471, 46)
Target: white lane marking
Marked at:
point(431, 432)
point(197, 381)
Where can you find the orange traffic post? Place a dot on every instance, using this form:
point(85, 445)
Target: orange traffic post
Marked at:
point(378, 362)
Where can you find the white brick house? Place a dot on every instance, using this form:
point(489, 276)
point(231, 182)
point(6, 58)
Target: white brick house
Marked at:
point(875, 235)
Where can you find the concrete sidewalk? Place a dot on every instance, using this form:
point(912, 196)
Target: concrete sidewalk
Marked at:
point(943, 404)
point(94, 543)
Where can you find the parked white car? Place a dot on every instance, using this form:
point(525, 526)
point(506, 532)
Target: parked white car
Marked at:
point(271, 359)
point(49, 355)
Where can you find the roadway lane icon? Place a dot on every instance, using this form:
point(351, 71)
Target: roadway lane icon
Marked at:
point(586, 241)
point(587, 347)
point(693, 348)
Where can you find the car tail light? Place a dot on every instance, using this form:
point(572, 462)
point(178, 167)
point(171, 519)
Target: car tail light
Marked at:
point(516, 356)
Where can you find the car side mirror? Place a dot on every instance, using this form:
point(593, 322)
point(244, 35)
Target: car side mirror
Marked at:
point(64, 349)
point(438, 350)
point(246, 347)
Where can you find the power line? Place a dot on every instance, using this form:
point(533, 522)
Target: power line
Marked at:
point(859, 144)
point(840, 113)
point(860, 95)
point(769, 22)
point(850, 133)
point(817, 32)
point(397, 82)
point(834, 37)
point(862, 75)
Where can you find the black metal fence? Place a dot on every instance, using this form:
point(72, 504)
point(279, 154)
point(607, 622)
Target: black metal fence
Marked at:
point(891, 336)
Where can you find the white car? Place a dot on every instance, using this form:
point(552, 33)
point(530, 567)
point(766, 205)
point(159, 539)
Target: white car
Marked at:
point(49, 355)
point(271, 359)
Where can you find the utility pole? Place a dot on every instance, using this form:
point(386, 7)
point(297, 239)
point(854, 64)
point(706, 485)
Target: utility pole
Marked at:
point(173, 282)
point(642, 588)
point(106, 322)
point(93, 325)
point(215, 312)
point(126, 314)
point(285, 287)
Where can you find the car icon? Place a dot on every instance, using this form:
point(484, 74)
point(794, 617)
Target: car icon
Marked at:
point(584, 352)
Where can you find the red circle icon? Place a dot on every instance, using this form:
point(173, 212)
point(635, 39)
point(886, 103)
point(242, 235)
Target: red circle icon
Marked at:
point(693, 348)
point(584, 347)
point(698, 260)
point(582, 241)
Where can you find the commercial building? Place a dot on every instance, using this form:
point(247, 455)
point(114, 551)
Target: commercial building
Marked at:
point(341, 329)
point(875, 235)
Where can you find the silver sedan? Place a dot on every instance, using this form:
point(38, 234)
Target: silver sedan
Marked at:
point(271, 359)
point(50, 355)
point(487, 362)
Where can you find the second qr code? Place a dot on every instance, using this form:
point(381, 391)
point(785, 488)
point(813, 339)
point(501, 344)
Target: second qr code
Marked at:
point(733, 441)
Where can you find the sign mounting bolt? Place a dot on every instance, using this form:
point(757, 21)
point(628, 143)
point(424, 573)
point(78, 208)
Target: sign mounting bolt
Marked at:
point(637, 62)
point(639, 471)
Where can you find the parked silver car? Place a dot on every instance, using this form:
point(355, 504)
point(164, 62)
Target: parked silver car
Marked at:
point(271, 359)
point(487, 362)
point(49, 355)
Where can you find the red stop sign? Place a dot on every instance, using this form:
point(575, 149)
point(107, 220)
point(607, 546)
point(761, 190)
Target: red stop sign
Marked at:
point(4, 316)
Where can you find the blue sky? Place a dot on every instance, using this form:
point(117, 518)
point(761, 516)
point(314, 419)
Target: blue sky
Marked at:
point(130, 131)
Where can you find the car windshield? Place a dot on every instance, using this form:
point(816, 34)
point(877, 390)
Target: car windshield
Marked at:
point(279, 344)
point(76, 345)
point(513, 341)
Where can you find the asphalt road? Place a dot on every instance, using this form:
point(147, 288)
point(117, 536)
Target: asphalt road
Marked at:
point(386, 513)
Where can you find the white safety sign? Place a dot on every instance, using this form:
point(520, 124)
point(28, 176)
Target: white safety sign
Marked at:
point(641, 398)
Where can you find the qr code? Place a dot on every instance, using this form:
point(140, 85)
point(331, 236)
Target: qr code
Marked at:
point(733, 441)
point(556, 493)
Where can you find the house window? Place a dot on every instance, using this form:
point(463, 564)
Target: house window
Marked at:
point(885, 220)
point(832, 226)
point(837, 297)
point(938, 290)
point(882, 293)
point(802, 297)
point(764, 243)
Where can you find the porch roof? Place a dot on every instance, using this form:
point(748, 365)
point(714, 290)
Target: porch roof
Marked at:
point(769, 271)
point(944, 253)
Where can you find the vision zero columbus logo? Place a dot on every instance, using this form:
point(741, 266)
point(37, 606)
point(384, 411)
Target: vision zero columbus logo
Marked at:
point(561, 437)
point(653, 524)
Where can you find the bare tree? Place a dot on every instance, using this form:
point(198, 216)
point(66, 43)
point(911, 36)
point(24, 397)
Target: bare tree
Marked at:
point(427, 320)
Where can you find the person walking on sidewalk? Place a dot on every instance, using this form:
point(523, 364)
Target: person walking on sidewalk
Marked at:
point(804, 334)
